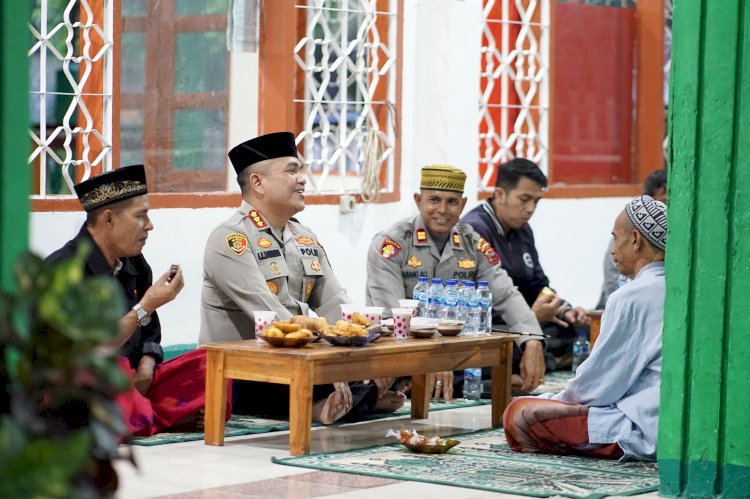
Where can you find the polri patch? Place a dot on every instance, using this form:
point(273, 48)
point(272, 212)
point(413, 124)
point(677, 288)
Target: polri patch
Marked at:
point(413, 261)
point(257, 220)
point(264, 243)
point(237, 243)
point(305, 240)
point(273, 287)
point(389, 249)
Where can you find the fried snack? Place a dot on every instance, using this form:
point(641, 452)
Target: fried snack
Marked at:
point(302, 333)
point(348, 329)
point(286, 327)
point(360, 319)
point(274, 332)
point(546, 291)
point(314, 324)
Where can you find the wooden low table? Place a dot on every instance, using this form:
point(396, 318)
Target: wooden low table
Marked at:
point(320, 363)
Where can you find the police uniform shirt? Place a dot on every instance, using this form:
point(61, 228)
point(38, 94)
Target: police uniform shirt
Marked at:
point(247, 268)
point(401, 254)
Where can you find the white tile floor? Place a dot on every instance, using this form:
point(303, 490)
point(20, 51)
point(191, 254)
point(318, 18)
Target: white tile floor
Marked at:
point(192, 467)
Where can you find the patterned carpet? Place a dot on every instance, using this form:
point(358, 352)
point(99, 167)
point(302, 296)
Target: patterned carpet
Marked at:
point(483, 461)
point(250, 425)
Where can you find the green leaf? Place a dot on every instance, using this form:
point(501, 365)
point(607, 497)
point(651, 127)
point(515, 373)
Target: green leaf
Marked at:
point(39, 467)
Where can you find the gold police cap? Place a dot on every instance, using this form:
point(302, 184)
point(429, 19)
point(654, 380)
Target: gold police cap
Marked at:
point(443, 178)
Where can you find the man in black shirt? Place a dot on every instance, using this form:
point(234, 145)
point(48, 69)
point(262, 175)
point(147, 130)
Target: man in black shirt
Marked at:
point(503, 221)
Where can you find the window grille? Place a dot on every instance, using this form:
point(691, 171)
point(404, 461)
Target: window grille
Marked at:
point(71, 92)
point(347, 55)
point(514, 105)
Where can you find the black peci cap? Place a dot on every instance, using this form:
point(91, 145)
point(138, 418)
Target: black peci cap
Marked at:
point(123, 183)
point(269, 146)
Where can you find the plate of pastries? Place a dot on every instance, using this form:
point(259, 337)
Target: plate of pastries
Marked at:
point(422, 444)
point(294, 332)
point(356, 333)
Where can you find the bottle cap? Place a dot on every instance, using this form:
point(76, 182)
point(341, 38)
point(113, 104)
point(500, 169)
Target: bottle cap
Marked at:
point(482, 283)
point(437, 280)
point(422, 279)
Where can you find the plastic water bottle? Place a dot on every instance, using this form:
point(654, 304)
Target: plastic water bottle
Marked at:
point(434, 297)
point(581, 349)
point(471, 326)
point(485, 308)
point(449, 305)
point(473, 383)
point(420, 294)
point(463, 298)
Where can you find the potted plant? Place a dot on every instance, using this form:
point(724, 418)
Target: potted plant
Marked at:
point(60, 427)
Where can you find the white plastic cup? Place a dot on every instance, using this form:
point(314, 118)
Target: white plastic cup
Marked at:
point(401, 322)
point(375, 314)
point(348, 310)
point(263, 320)
point(412, 304)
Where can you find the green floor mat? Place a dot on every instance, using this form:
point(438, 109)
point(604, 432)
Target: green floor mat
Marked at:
point(483, 461)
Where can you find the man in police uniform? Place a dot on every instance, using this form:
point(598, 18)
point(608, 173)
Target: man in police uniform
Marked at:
point(434, 244)
point(263, 259)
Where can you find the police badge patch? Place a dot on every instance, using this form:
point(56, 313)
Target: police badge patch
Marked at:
point(308, 289)
point(413, 261)
point(237, 243)
point(488, 251)
point(421, 236)
point(275, 268)
point(315, 265)
point(467, 263)
point(273, 287)
point(305, 240)
point(264, 243)
point(389, 249)
point(456, 240)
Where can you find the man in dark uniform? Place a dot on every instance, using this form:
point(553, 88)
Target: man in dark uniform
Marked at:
point(503, 221)
point(262, 258)
point(116, 229)
point(434, 244)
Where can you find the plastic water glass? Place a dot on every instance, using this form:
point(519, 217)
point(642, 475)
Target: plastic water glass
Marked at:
point(263, 320)
point(348, 310)
point(401, 322)
point(375, 314)
point(412, 304)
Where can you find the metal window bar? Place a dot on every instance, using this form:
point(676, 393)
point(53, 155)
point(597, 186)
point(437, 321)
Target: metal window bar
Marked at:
point(345, 58)
point(78, 125)
point(514, 70)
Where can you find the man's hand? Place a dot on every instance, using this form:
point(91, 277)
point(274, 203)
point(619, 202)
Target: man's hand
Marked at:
point(162, 291)
point(532, 365)
point(545, 308)
point(144, 375)
point(441, 384)
point(577, 316)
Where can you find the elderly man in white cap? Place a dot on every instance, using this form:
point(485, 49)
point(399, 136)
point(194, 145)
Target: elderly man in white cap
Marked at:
point(610, 409)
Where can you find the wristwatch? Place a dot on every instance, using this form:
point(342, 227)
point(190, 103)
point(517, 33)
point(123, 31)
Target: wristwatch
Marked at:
point(144, 318)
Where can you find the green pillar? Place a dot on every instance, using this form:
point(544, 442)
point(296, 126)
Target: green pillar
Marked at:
point(704, 430)
point(14, 138)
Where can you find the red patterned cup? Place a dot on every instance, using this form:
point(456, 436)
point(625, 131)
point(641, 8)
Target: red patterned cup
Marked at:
point(263, 320)
point(375, 314)
point(401, 322)
point(348, 310)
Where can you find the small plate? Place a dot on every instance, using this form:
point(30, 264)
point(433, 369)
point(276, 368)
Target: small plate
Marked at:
point(351, 341)
point(432, 449)
point(287, 342)
point(450, 328)
point(422, 333)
